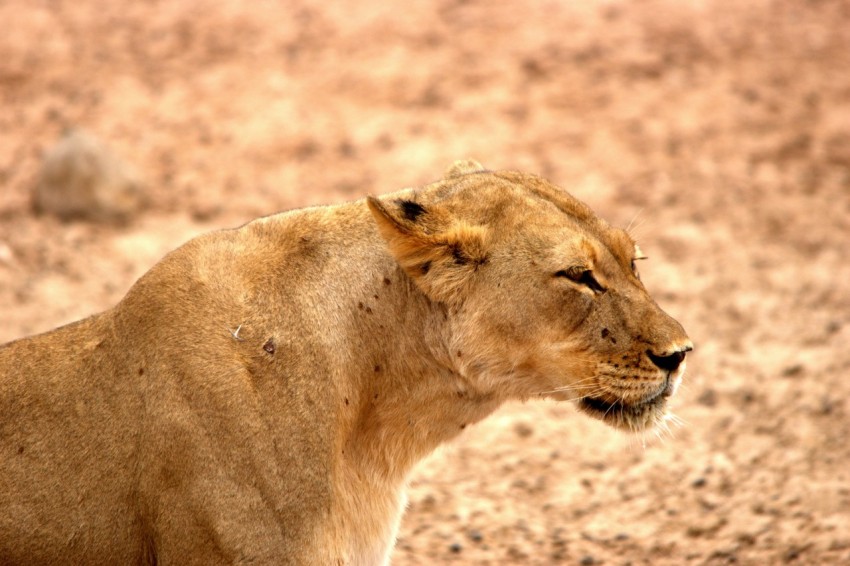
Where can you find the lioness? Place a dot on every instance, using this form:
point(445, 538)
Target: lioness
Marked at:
point(261, 395)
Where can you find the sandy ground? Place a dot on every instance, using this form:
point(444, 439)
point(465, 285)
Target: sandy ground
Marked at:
point(721, 129)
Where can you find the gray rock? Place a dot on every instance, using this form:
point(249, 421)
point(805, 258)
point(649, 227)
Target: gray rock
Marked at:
point(82, 178)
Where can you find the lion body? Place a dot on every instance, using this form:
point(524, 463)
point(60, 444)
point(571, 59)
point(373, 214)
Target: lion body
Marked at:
point(261, 394)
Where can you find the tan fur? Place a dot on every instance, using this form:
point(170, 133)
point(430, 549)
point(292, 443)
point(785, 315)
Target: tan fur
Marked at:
point(261, 395)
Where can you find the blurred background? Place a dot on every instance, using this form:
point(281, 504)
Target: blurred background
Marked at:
point(719, 129)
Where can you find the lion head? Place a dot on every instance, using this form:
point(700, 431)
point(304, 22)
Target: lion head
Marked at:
point(542, 298)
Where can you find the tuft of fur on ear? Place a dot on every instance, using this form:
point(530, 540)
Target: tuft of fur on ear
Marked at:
point(441, 262)
point(463, 167)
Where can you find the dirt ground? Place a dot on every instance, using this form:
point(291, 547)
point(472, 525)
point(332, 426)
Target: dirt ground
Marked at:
point(720, 129)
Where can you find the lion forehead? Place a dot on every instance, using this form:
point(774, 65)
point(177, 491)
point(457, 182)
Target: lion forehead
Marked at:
point(513, 202)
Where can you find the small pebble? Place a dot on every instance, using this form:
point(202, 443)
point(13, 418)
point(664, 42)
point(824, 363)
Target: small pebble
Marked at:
point(523, 430)
point(793, 370)
point(708, 398)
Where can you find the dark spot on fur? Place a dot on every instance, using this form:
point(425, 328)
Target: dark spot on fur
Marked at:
point(307, 248)
point(375, 297)
point(462, 258)
point(460, 394)
point(20, 449)
point(425, 267)
point(377, 369)
point(346, 400)
point(141, 371)
point(360, 306)
point(459, 354)
point(463, 426)
point(605, 333)
point(411, 210)
point(269, 346)
point(376, 395)
point(387, 281)
point(613, 340)
point(458, 254)
point(368, 310)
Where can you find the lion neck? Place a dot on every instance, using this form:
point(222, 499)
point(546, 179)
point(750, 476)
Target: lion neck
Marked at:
point(410, 396)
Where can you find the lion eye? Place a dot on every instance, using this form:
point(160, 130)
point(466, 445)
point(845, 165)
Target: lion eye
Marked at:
point(583, 277)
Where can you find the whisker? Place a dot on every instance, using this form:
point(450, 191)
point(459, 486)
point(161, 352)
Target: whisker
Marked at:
point(611, 406)
point(632, 221)
point(571, 386)
point(578, 397)
point(662, 430)
point(634, 227)
point(560, 389)
point(677, 420)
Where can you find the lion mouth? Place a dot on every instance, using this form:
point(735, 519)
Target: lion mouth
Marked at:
point(599, 405)
point(630, 415)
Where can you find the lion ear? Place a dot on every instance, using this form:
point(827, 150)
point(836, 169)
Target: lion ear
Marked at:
point(442, 261)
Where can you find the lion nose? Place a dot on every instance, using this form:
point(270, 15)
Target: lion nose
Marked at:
point(669, 362)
